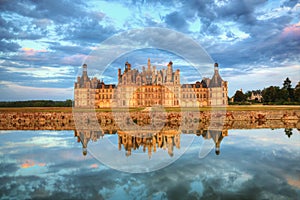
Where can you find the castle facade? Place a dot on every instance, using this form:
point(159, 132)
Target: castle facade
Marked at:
point(149, 87)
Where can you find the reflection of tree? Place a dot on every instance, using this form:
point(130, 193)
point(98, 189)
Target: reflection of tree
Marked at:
point(288, 132)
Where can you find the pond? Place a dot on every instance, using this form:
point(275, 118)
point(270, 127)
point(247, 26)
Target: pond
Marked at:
point(235, 164)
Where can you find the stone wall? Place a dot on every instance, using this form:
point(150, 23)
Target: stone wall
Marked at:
point(112, 121)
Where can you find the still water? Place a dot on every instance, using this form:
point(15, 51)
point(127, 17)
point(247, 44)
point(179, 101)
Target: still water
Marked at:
point(252, 164)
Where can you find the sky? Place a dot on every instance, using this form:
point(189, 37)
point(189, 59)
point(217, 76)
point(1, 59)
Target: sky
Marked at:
point(44, 43)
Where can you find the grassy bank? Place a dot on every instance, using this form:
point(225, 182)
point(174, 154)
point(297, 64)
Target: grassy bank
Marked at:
point(228, 108)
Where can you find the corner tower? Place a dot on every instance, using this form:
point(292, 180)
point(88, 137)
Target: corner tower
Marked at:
point(218, 89)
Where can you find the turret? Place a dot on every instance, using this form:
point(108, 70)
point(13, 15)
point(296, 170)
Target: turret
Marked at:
point(170, 66)
point(177, 77)
point(84, 70)
point(216, 80)
point(119, 72)
point(149, 64)
point(216, 67)
point(170, 72)
point(128, 66)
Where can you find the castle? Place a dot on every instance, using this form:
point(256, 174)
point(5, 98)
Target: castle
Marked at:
point(149, 87)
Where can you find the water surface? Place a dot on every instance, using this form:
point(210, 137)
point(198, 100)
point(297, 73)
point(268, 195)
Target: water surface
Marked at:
point(252, 164)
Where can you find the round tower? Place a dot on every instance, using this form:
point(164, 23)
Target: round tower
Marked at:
point(216, 66)
point(84, 69)
point(149, 64)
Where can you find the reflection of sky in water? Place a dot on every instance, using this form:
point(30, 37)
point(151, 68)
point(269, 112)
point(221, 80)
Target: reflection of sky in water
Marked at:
point(253, 164)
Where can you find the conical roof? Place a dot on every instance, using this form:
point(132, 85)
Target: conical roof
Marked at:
point(216, 80)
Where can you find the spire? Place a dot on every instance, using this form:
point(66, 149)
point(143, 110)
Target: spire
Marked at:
point(84, 67)
point(216, 67)
point(216, 80)
point(84, 72)
point(127, 66)
point(149, 64)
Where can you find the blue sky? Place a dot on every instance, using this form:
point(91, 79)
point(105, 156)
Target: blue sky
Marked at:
point(44, 43)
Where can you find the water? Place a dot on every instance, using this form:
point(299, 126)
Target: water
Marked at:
point(252, 164)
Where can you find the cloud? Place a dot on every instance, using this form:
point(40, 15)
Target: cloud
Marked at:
point(176, 20)
point(75, 60)
point(9, 46)
point(291, 32)
point(32, 52)
point(234, 33)
point(13, 91)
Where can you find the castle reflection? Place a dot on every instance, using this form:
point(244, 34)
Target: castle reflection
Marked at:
point(149, 142)
point(171, 126)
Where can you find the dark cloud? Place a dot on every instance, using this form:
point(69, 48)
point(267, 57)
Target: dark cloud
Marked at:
point(176, 21)
point(9, 46)
point(240, 11)
point(58, 11)
point(8, 168)
point(85, 30)
point(290, 3)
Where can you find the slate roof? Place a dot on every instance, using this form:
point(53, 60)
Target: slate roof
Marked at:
point(216, 80)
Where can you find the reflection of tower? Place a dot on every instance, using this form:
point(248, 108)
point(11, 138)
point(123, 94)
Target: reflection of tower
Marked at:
point(167, 139)
point(84, 136)
point(149, 143)
point(217, 136)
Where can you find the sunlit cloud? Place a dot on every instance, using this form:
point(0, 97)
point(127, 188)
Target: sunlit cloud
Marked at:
point(292, 31)
point(32, 163)
point(294, 181)
point(28, 163)
point(94, 166)
point(31, 52)
point(74, 59)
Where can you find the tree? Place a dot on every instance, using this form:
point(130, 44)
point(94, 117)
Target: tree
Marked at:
point(287, 85)
point(272, 94)
point(288, 132)
point(248, 94)
point(297, 92)
point(239, 96)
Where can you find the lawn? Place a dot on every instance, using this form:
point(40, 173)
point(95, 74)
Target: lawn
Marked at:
point(228, 108)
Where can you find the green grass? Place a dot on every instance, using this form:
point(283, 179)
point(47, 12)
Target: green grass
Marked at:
point(228, 108)
point(36, 109)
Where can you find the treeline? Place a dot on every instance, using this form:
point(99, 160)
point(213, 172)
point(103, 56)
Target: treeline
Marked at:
point(273, 95)
point(36, 103)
